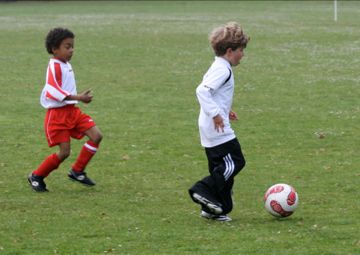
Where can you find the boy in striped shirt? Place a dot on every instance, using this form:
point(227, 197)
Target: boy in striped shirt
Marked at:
point(63, 118)
point(223, 150)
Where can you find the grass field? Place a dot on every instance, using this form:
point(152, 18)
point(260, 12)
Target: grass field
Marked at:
point(297, 97)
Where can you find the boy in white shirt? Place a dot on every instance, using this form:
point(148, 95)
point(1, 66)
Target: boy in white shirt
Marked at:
point(223, 150)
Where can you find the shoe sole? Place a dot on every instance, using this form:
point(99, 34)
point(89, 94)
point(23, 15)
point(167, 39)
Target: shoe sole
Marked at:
point(210, 205)
point(221, 218)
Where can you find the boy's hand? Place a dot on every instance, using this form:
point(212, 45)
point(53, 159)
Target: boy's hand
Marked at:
point(233, 116)
point(86, 96)
point(219, 123)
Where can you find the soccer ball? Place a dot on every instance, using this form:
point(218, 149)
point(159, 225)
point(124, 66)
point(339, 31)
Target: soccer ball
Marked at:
point(281, 200)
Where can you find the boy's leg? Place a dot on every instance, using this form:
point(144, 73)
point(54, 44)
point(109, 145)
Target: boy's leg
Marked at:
point(206, 189)
point(56, 134)
point(226, 196)
point(200, 193)
point(36, 178)
point(228, 161)
point(224, 174)
point(87, 152)
point(51, 163)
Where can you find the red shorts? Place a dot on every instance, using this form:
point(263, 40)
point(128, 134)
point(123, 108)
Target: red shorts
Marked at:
point(65, 122)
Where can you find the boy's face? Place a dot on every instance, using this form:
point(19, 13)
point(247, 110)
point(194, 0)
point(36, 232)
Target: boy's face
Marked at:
point(65, 50)
point(234, 56)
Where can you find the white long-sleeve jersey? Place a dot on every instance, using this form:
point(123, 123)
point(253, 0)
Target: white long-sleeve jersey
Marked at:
point(215, 95)
point(59, 83)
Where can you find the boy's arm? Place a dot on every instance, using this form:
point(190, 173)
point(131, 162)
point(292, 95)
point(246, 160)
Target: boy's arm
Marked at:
point(85, 96)
point(213, 80)
point(210, 107)
point(233, 115)
point(204, 92)
point(219, 123)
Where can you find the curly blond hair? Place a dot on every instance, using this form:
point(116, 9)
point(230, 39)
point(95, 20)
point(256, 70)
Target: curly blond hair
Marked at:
point(231, 35)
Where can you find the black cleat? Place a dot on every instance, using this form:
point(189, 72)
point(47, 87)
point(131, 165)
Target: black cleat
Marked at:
point(37, 183)
point(80, 177)
point(212, 206)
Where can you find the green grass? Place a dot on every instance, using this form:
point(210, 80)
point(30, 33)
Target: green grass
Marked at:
point(143, 60)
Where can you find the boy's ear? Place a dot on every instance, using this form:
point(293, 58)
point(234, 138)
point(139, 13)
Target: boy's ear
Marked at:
point(228, 50)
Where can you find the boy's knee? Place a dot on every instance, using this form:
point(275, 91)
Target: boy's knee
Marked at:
point(240, 163)
point(97, 138)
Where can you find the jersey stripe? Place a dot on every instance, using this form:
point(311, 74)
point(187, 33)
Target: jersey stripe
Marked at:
point(56, 92)
point(51, 81)
point(48, 95)
point(58, 74)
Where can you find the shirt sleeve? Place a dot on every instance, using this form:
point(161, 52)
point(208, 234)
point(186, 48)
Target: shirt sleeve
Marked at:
point(215, 78)
point(212, 81)
point(54, 83)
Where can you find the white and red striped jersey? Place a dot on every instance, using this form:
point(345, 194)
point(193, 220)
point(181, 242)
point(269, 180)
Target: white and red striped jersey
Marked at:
point(60, 83)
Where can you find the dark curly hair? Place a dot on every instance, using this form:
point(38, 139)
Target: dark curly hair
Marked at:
point(55, 37)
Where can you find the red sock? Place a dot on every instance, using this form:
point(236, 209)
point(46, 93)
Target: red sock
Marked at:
point(49, 164)
point(87, 152)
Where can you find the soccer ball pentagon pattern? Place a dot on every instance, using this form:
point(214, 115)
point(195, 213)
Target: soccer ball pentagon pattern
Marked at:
point(281, 200)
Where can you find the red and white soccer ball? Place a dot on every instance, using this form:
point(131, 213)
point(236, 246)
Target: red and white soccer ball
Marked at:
point(281, 200)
